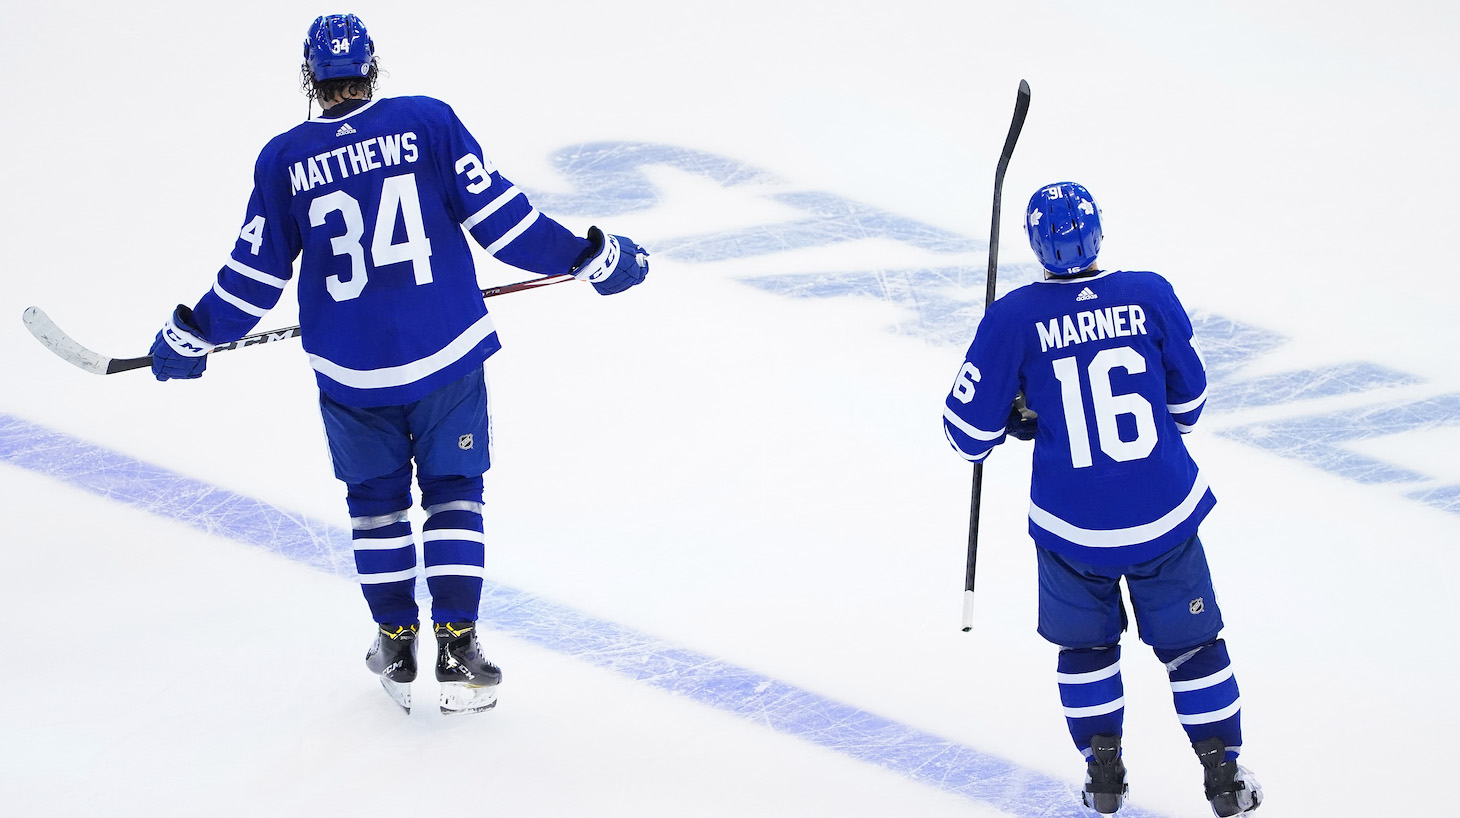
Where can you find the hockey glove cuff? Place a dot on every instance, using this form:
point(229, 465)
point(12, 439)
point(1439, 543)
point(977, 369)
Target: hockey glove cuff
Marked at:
point(612, 264)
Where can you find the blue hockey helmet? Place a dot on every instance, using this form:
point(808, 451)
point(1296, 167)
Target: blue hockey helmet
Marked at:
point(1063, 223)
point(336, 46)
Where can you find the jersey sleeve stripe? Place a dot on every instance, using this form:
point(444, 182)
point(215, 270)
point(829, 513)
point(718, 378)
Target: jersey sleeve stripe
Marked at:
point(496, 204)
point(961, 425)
point(257, 275)
point(1114, 538)
point(408, 372)
point(972, 458)
point(1181, 408)
point(517, 230)
point(238, 303)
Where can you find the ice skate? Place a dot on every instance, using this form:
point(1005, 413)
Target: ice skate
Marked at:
point(1230, 787)
point(1105, 786)
point(393, 657)
point(468, 681)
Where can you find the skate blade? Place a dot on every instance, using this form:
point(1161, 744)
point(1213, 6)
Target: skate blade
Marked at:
point(459, 697)
point(399, 692)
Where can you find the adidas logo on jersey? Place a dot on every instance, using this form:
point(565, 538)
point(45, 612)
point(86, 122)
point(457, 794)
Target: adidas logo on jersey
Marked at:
point(344, 130)
point(1086, 295)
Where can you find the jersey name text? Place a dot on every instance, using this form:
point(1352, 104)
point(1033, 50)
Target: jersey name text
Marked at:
point(357, 157)
point(1091, 325)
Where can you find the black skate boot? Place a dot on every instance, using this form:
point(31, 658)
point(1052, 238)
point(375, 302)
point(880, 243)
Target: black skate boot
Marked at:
point(1230, 787)
point(393, 657)
point(468, 681)
point(1105, 786)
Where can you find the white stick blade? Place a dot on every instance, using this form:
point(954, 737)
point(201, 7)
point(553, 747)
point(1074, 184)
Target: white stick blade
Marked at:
point(50, 335)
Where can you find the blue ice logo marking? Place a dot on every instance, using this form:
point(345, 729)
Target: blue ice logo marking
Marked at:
point(940, 304)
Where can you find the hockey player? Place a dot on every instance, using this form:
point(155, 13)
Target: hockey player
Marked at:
point(1103, 373)
point(377, 196)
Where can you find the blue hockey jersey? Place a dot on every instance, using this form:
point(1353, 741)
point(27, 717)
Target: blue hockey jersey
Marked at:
point(1110, 365)
point(378, 203)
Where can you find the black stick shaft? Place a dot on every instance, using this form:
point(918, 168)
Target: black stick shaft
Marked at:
point(1021, 110)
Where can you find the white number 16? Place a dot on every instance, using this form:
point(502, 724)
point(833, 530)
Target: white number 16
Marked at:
point(1107, 407)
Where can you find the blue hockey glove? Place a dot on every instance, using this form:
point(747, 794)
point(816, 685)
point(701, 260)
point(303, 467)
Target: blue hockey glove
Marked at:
point(179, 351)
point(611, 264)
point(1023, 422)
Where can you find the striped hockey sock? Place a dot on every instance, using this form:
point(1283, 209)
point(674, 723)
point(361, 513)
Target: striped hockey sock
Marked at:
point(1208, 703)
point(1092, 693)
point(385, 559)
point(454, 554)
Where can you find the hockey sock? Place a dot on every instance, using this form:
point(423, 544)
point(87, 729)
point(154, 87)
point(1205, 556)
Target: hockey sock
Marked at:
point(1092, 693)
point(1208, 703)
point(385, 558)
point(454, 554)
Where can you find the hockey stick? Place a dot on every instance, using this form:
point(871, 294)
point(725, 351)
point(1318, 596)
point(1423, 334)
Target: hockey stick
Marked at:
point(57, 341)
point(1021, 109)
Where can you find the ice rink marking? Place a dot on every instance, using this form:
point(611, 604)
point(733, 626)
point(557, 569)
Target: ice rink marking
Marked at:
point(842, 728)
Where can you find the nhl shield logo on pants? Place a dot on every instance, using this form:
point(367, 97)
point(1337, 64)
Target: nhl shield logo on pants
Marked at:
point(1198, 605)
point(466, 441)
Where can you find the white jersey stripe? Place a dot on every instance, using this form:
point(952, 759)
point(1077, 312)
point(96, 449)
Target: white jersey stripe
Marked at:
point(517, 230)
point(409, 372)
point(1114, 538)
point(257, 275)
point(234, 300)
point(496, 204)
point(972, 458)
point(1178, 408)
point(961, 425)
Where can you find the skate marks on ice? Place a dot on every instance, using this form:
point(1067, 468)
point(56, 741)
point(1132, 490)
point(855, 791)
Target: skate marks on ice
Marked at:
point(842, 728)
point(1320, 416)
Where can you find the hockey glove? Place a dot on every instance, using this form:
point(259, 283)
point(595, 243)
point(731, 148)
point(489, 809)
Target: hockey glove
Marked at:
point(1023, 422)
point(611, 264)
point(179, 351)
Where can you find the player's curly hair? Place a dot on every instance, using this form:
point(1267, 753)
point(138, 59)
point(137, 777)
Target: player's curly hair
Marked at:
point(339, 87)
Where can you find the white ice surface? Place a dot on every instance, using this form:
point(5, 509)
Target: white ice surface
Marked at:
point(748, 473)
